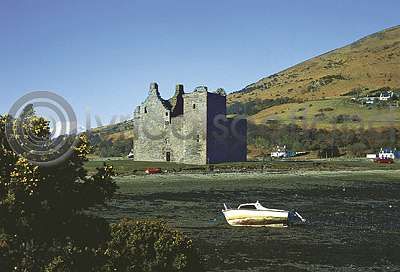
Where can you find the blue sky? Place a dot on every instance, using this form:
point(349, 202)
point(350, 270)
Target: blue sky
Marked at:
point(102, 55)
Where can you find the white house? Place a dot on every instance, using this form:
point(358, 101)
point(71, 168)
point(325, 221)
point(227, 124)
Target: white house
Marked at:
point(385, 96)
point(372, 156)
point(386, 153)
point(282, 152)
point(368, 100)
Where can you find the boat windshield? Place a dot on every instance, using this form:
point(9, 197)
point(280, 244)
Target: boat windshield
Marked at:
point(247, 207)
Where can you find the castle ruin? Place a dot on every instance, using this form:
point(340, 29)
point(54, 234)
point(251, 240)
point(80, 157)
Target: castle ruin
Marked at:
point(188, 128)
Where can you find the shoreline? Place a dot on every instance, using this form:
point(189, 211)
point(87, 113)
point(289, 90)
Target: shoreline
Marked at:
point(258, 174)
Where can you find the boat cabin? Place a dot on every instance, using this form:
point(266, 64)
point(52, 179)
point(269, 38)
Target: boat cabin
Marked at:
point(247, 207)
point(251, 206)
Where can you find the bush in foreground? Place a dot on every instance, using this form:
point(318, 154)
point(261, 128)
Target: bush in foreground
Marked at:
point(149, 246)
point(44, 225)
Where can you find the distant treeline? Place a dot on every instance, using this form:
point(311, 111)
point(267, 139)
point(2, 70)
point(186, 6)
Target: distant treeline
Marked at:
point(354, 142)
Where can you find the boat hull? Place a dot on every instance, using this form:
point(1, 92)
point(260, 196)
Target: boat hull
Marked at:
point(256, 218)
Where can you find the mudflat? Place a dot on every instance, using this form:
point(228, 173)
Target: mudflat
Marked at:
point(353, 217)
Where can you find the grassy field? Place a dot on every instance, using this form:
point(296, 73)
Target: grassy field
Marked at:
point(129, 167)
point(308, 114)
point(353, 217)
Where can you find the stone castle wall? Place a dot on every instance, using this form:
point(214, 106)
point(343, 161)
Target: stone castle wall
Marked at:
point(185, 129)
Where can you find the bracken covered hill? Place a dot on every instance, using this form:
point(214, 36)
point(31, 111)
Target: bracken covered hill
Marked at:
point(116, 131)
point(368, 64)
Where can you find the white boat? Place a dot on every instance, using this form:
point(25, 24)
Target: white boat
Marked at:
point(255, 215)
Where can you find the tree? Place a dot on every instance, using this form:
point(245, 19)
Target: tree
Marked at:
point(329, 151)
point(122, 146)
point(27, 112)
point(262, 145)
point(42, 208)
point(44, 226)
point(358, 149)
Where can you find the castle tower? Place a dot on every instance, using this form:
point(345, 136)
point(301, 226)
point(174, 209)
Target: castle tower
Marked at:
point(189, 128)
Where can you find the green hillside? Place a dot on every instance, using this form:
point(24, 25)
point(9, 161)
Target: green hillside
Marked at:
point(358, 70)
point(112, 140)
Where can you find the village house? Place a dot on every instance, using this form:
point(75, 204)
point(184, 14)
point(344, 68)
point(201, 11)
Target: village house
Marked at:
point(385, 96)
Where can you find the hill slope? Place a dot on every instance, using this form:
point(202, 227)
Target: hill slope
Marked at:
point(318, 88)
point(123, 130)
point(368, 64)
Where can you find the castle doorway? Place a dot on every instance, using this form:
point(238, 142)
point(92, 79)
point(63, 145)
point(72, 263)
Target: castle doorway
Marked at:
point(168, 156)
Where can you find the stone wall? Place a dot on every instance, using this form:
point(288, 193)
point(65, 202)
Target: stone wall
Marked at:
point(149, 121)
point(194, 128)
point(189, 128)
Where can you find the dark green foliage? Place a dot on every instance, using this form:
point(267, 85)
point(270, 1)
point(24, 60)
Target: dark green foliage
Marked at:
point(27, 112)
point(342, 118)
point(358, 149)
point(320, 116)
point(149, 246)
point(107, 148)
point(122, 146)
point(315, 85)
point(18, 254)
point(326, 109)
point(329, 152)
point(309, 138)
point(42, 208)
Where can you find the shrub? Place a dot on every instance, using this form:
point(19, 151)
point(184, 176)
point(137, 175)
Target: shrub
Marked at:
point(326, 109)
point(329, 152)
point(358, 149)
point(315, 85)
point(320, 116)
point(342, 118)
point(42, 208)
point(149, 246)
point(34, 255)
